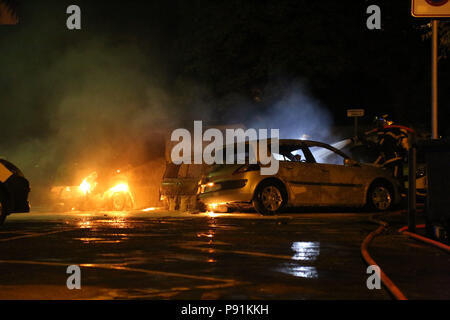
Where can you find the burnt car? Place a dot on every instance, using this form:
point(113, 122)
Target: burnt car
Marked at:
point(310, 174)
point(14, 190)
point(370, 153)
point(179, 185)
point(111, 193)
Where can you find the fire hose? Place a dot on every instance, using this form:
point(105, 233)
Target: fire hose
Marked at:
point(393, 289)
point(422, 238)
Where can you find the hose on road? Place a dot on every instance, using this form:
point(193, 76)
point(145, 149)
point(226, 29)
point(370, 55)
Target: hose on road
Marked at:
point(422, 238)
point(392, 288)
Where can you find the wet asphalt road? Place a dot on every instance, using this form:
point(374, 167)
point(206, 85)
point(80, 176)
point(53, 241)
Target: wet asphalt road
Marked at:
point(172, 255)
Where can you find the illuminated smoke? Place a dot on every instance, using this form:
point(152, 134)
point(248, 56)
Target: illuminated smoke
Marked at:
point(297, 115)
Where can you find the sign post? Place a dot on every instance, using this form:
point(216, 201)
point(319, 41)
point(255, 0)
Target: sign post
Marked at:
point(355, 113)
point(432, 9)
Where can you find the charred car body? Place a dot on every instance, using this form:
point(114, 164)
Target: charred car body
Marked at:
point(14, 190)
point(179, 185)
point(310, 174)
point(91, 194)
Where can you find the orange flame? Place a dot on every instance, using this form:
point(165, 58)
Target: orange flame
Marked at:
point(85, 186)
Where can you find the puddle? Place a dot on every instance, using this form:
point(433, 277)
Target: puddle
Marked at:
point(308, 272)
point(100, 240)
point(305, 251)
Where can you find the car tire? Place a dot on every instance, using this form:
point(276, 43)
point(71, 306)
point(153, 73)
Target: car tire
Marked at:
point(118, 201)
point(270, 198)
point(380, 197)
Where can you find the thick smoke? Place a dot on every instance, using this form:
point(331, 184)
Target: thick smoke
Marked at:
point(296, 114)
point(71, 103)
point(91, 106)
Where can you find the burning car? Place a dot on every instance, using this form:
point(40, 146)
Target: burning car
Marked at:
point(14, 190)
point(113, 194)
point(179, 185)
point(310, 174)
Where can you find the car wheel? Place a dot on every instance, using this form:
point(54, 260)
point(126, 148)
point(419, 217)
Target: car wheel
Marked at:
point(118, 201)
point(270, 198)
point(380, 197)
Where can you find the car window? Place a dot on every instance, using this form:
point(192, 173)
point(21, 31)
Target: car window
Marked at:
point(326, 156)
point(298, 156)
point(171, 170)
point(293, 156)
point(280, 157)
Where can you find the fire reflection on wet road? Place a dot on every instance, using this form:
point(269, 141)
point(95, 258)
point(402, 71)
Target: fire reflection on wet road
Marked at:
point(156, 254)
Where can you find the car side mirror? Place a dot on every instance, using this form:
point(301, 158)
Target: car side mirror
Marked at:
point(350, 162)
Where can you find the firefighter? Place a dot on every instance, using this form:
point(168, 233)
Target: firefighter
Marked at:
point(392, 142)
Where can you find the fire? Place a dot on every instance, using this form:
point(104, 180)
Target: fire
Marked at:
point(85, 186)
point(89, 183)
point(213, 206)
point(121, 187)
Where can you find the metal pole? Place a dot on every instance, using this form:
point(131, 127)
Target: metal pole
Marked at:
point(412, 189)
point(356, 126)
point(434, 81)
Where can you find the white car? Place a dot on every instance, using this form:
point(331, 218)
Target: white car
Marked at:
point(310, 174)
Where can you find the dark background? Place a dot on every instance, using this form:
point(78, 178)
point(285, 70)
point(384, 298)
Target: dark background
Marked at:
point(139, 68)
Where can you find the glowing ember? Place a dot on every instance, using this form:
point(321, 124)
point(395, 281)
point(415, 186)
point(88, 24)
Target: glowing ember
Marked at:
point(149, 209)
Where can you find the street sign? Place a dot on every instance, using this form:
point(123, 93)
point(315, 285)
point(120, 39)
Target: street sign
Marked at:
point(355, 113)
point(430, 8)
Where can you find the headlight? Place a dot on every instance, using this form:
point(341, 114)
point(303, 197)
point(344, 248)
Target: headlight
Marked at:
point(209, 187)
point(223, 185)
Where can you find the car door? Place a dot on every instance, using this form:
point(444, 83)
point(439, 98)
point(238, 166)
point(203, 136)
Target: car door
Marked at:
point(341, 184)
point(303, 178)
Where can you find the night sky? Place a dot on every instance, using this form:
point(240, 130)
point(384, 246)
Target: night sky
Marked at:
point(138, 68)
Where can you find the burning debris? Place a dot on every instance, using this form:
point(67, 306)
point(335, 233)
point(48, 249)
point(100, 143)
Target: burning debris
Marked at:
point(90, 195)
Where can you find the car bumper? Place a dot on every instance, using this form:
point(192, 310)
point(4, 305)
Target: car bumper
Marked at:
point(231, 195)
